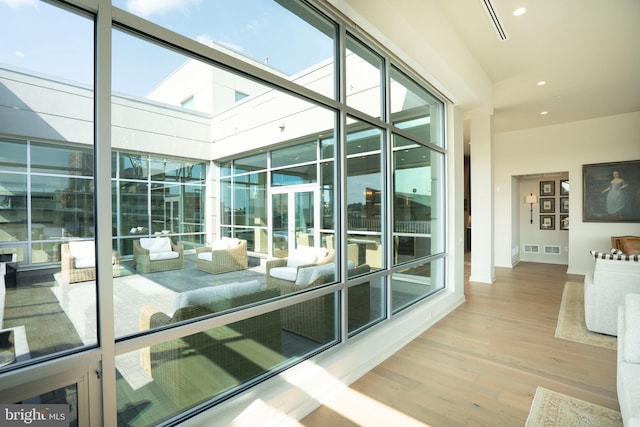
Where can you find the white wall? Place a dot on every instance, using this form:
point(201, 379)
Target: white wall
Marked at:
point(564, 147)
point(43, 108)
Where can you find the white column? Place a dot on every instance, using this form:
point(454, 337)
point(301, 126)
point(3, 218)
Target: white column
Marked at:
point(482, 226)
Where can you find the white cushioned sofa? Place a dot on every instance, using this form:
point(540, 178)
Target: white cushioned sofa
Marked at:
point(151, 254)
point(224, 255)
point(628, 377)
point(614, 276)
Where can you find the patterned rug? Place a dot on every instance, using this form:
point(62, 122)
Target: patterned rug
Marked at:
point(550, 409)
point(571, 325)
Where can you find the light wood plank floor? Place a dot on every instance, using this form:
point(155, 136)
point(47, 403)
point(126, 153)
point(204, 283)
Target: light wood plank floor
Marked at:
point(480, 366)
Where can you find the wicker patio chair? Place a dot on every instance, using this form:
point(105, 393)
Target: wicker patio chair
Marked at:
point(315, 319)
point(143, 263)
point(73, 274)
point(222, 260)
point(197, 367)
point(282, 262)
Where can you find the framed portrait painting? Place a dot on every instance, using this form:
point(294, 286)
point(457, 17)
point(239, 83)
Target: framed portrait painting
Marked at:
point(611, 192)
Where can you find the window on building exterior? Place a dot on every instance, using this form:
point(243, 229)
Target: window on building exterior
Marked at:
point(46, 182)
point(237, 174)
point(364, 78)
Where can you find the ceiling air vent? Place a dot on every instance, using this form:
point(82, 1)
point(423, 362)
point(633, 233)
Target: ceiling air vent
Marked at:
point(495, 20)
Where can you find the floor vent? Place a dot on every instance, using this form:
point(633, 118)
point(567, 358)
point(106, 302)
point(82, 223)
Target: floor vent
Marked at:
point(551, 250)
point(531, 249)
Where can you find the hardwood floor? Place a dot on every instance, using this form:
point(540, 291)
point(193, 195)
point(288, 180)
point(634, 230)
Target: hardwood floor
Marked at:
point(480, 366)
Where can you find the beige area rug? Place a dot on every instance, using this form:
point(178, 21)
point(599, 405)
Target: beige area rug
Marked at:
point(550, 409)
point(571, 325)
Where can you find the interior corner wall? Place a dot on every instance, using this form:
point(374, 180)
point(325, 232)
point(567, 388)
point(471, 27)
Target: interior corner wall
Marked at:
point(564, 147)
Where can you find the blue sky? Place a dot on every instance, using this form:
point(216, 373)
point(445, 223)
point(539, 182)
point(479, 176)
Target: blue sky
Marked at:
point(42, 38)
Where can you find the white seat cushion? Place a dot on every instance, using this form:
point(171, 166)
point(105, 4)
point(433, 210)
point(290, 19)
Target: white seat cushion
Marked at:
point(305, 255)
point(225, 243)
point(308, 275)
point(83, 252)
point(632, 328)
point(84, 263)
point(205, 256)
point(219, 245)
point(82, 249)
point(156, 244)
point(159, 256)
point(284, 273)
point(212, 294)
point(89, 262)
point(232, 242)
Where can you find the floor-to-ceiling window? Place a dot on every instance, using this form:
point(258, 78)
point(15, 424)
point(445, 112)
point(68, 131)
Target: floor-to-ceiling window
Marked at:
point(223, 130)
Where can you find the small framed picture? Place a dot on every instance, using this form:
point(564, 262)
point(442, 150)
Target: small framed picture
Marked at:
point(564, 205)
point(564, 187)
point(547, 205)
point(547, 188)
point(564, 222)
point(547, 222)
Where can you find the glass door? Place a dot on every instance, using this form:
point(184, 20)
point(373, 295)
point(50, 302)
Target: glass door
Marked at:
point(172, 214)
point(294, 219)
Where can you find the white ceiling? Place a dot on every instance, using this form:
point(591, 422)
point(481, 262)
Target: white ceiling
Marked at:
point(587, 51)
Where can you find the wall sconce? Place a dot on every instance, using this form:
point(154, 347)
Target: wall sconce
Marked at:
point(531, 199)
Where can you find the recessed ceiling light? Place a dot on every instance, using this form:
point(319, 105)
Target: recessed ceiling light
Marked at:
point(541, 83)
point(519, 11)
point(544, 113)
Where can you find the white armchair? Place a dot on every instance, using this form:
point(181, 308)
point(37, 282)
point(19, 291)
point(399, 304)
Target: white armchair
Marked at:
point(151, 254)
point(295, 268)
point(613, 277)
point(78, 263)
point(224, 255)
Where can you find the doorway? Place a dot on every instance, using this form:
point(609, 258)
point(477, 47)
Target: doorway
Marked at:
point(294, 218)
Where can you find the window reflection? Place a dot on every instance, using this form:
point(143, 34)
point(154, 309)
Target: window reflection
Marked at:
point(417, 200)
point(259, 32)
point(366, 302)
point(197, 237)
point(415, 110)
point(46, 178)
point(363, 72)
point(365, 197)
point(176, 375)
point(416, 283)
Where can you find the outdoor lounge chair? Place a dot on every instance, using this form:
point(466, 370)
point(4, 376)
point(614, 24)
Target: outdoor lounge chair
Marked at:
point(78, 263)
point(151, 254)
point(291, 270)
point(197, 367)
point(314, 319)
point(224, 255)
